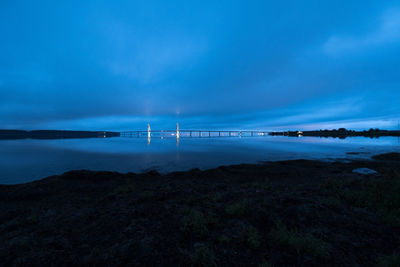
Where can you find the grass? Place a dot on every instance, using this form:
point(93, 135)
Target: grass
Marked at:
point(332, 202)
point(392, 260)
point(203, 257)
point(264, 185)
point(215, 197)
point(223, 239)
point(33, 218)
point(381, 195)
point(147, 195)
point(124, 189)
point(303, 243)
point(336, 184)
point(238, 209)
point(190, 201)
point(195, 223)
point(252, 237)
point(265, 264)
point(22, 243)
point(211, 200)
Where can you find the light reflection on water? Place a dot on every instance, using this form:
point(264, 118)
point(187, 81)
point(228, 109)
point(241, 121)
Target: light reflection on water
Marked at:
point(27, 160)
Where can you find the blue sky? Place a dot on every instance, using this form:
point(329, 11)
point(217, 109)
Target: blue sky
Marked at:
point(118, 65)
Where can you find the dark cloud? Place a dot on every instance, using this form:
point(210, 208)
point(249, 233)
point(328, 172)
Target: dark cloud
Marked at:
point(211, 63)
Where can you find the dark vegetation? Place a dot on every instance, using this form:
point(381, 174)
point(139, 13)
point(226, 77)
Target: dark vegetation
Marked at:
point(53, 134)
point(340, 133)
point(291, 213)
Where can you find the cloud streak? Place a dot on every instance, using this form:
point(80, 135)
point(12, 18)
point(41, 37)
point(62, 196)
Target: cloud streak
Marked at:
point(388, 31)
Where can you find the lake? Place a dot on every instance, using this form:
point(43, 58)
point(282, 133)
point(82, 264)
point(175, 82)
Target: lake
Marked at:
point(28, 160)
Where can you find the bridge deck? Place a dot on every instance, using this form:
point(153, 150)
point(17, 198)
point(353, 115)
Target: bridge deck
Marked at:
point(194, 133)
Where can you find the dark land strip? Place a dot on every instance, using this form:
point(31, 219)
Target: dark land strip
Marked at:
point(53, 134)
point(340, 133)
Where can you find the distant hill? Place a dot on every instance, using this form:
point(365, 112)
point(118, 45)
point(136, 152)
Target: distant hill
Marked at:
point(54, 134)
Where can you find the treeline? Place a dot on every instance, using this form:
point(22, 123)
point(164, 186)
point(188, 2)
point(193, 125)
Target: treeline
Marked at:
point(340, 133)
point(54, 134)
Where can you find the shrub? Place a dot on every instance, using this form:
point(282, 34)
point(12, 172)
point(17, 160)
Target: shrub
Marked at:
point(332, 202)
point(265, 264)
point(252, 237)
point(238, 209)
point(389, 260)
point(381, 195)
point(190, 200)
point(215, 197)
point(147, 195)
point(264, 185)
point(301, 242)
point(212, 199)
point(33, 218)
point(124, 189)
point(204, 257)
point(336, 184)
point(196, 223)
point(224, 239)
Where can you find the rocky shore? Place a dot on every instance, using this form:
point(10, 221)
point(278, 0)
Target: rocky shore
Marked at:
point(289, 213)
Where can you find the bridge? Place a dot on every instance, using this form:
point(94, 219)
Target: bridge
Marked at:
point(191, 133)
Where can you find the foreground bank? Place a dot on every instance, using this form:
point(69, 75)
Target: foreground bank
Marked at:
point(304, 213)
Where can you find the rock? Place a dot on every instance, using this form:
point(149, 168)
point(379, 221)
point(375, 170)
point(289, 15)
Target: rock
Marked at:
point(365, 171)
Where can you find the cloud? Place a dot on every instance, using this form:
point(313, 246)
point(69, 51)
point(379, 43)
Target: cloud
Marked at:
point(388, 31)
point(209, 63)
point(148, 58)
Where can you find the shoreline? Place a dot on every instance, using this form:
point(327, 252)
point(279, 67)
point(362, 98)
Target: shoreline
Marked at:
point(65, 134)
point(296, 212)
point(54, 134)
point(341, 133)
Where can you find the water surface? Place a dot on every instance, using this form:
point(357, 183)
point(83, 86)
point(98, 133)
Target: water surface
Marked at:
point(27, 160)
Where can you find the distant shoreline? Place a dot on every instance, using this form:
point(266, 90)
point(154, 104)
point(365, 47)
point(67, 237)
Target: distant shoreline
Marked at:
point(54, 134)
point(340, 133)
point(65, 134)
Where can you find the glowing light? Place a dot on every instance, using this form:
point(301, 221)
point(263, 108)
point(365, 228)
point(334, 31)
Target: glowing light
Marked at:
point(177, 134)
point(148, 134)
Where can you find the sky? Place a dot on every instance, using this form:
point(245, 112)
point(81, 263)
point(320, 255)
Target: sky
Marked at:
point(118, 65)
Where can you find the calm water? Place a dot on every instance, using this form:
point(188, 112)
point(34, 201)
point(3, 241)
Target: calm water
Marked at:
point(28, 160)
